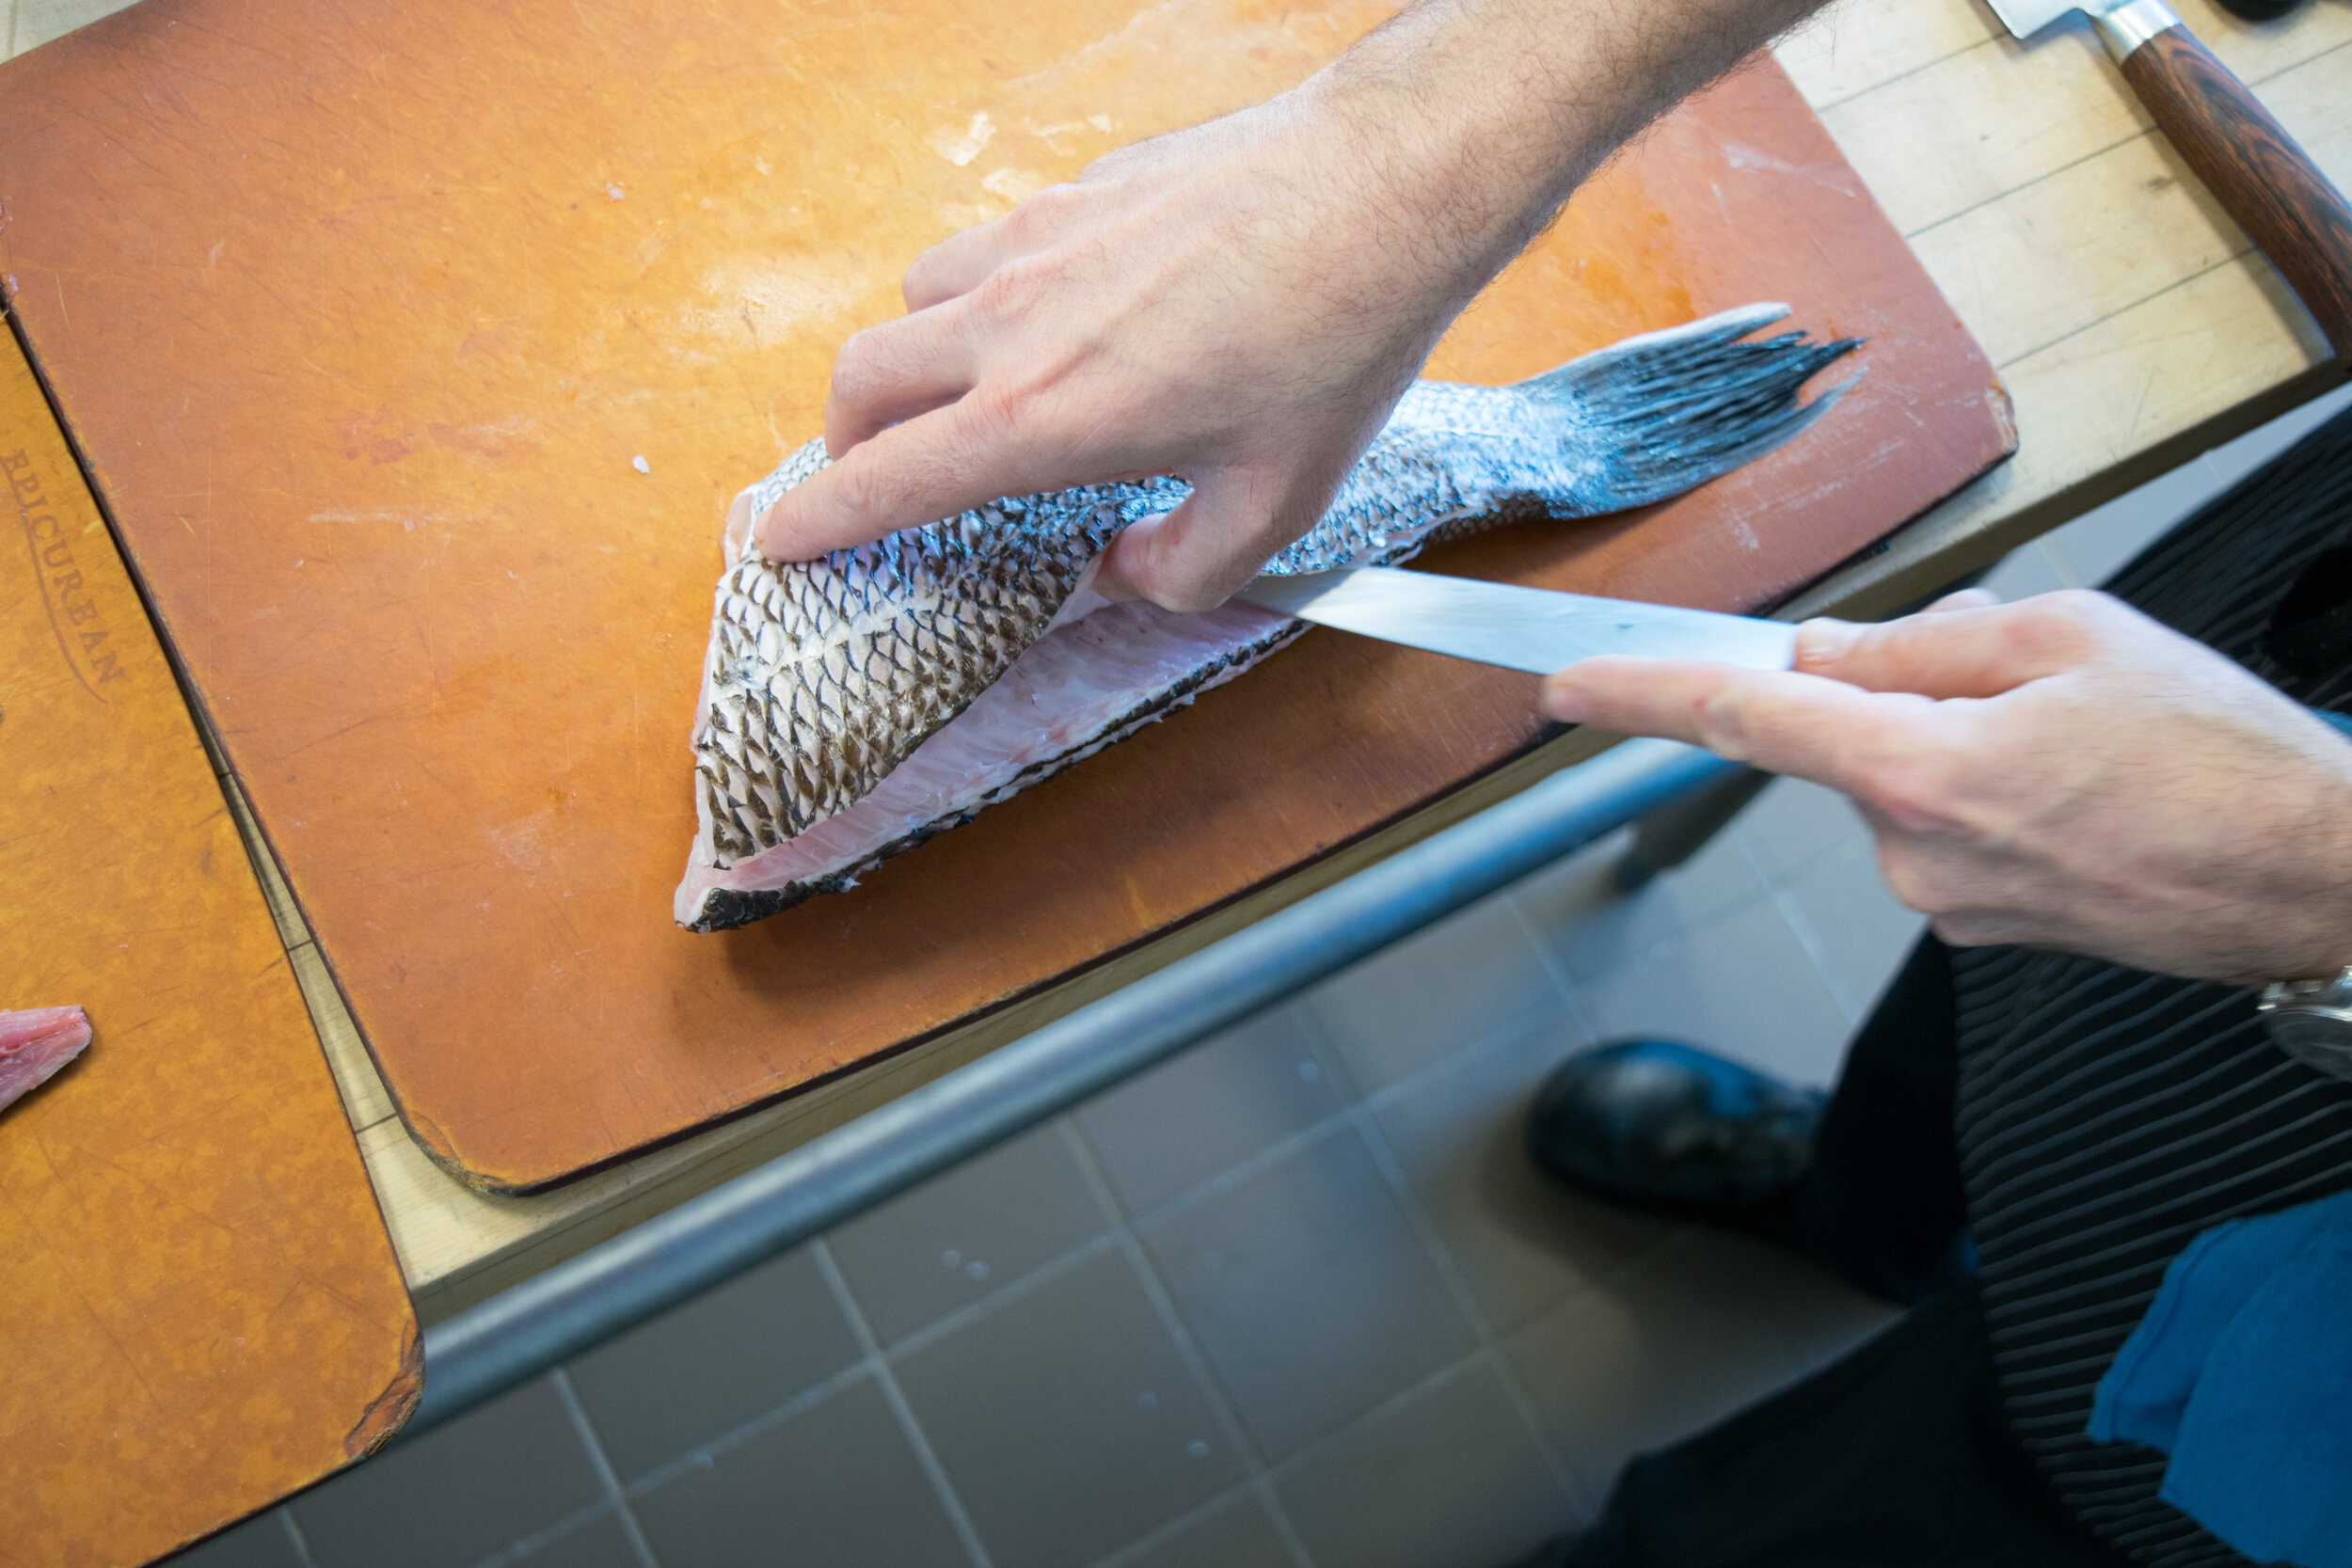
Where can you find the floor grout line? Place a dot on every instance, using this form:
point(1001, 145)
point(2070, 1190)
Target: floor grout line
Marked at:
point(1025, 1284)
point(1555, 964)
point(1466, 1302)
point(1683, 924)
point(1816, 948)
point(1255, 1475)
point(1153, 1540)
point(925, 1456)
point(1219, 1182)
point(1389, 1404)
point(702, 1454)
point(523, 1547)
point(607, 1482)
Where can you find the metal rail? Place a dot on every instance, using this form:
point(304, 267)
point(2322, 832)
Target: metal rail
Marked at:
point(706, 1241)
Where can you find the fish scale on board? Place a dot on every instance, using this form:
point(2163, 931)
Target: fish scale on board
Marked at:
point(856, 705)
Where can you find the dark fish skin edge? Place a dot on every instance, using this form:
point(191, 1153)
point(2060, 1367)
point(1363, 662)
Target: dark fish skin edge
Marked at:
point(723, 909)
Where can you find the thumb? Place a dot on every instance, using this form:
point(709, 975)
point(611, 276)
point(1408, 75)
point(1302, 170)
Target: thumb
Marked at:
point(1197, 555)
point(931, 467)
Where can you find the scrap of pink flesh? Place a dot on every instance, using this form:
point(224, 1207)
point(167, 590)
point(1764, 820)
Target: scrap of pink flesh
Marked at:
point(1074, 683)
point(34, 1043)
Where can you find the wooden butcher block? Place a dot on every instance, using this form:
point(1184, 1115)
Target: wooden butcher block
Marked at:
point(202, 1312)
point(418, 345)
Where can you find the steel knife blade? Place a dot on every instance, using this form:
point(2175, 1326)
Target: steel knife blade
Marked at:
point(1535, 629)
point(2025, 18)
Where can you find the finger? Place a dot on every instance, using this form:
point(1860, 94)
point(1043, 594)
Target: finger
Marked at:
point(1780, 720)
point(956, 265)
point(893, 372)
point(929, 467)
point(1964, 652)
point(1195, 557)
point(1966, 598)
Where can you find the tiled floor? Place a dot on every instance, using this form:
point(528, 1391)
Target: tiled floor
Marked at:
point(1293, 1300)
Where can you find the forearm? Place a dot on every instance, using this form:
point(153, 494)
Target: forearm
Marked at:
point(1480, 116)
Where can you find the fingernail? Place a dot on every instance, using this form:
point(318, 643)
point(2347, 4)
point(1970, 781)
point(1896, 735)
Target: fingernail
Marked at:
point(768, 536)
point(1565, 703)
point(1823, 640)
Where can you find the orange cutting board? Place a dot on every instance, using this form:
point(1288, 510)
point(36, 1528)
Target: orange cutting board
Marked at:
point(363, 310)
point(202, 1312)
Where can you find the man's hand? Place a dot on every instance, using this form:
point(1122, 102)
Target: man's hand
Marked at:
point(1242, 303)
point(2062, 772)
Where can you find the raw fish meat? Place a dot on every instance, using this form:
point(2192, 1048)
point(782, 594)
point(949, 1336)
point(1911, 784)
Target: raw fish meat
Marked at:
point(855, 704)
point(34, 1043)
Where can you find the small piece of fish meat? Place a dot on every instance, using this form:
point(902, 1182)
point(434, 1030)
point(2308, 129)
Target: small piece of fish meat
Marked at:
point(855, 705)
point(35, 1042)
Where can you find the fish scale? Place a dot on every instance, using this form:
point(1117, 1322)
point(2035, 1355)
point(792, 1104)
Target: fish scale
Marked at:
point(865, 658)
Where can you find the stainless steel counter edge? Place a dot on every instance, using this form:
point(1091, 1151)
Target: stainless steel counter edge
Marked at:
point(488, 1349)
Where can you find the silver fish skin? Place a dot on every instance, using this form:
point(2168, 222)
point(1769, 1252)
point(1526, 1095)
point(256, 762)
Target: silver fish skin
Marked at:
point(824, 679)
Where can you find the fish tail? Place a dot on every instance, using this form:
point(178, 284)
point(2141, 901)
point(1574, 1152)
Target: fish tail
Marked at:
point(1677, 407)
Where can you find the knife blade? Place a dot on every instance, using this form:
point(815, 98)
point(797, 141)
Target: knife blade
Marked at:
point(2244, 157)
point(1535, 629)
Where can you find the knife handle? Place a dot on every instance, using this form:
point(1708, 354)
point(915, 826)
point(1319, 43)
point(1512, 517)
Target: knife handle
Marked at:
point(2254, 170)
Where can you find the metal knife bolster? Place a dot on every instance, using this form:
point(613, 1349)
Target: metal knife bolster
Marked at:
point(1534, 630)
point(2131, 25)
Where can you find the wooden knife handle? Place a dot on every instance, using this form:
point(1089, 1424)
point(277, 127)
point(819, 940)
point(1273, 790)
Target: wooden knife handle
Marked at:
point(2256, 170)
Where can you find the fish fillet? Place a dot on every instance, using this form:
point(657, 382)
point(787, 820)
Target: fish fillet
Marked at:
point(855, 705)
point(35, 1042)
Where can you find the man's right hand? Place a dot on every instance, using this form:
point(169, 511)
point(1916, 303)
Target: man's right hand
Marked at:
point(2063, 773)
point(1241, 304)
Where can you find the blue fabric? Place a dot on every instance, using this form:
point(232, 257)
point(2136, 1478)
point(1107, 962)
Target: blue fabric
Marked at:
point(2341, 720)
point(2242, 1372)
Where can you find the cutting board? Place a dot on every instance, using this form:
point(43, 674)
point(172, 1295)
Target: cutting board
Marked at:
point(365, 310)
point(202, 1311)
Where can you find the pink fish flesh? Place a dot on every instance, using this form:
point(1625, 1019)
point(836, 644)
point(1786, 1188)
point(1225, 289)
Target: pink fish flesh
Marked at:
point(34, 1043)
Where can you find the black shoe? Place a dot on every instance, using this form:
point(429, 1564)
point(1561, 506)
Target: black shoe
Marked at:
point(1671, 1129)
